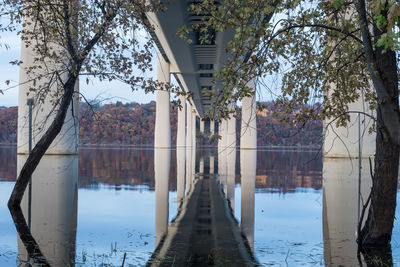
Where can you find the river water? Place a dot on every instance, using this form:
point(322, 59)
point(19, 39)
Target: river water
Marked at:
point(109, 203)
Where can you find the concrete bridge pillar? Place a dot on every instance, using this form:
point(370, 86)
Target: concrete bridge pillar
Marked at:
point(212, 127)
point(181, 134)
point(181, 150)
point(231, 131)
point(201, 126)
point(194, 130)
point(248, 135)
point(343, 142)
point(42, 93)
point(189, 131)
point(189, 125)
point(248, 167)
point(162, 134)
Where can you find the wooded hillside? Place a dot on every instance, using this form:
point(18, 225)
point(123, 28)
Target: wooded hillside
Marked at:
point(133, 124)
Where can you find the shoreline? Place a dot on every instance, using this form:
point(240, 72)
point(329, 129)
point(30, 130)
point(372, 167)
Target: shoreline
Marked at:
point(150, 146)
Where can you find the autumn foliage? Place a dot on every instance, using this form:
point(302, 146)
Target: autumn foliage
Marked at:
point(133, 124)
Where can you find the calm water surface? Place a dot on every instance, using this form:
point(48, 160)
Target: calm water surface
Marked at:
point(91, 209)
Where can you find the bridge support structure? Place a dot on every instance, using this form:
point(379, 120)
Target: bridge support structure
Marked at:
point(354, 140)
point(248, 135)
point(162, 134)
point(40, 87)
point(212, 127)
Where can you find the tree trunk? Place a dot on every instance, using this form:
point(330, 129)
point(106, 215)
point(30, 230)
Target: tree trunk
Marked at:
point(377, 231)
point(45, 141)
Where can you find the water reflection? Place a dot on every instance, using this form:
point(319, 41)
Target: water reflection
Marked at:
point(162, 163)
point(54, 209)
point(230, 177)
point(248, 166)
point(340, 208)
point(180, 174)
point(291, 206)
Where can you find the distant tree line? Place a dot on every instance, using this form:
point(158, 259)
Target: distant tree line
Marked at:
point(133, 124)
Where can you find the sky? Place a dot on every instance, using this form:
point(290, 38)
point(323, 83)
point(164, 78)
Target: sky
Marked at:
point(106, 91)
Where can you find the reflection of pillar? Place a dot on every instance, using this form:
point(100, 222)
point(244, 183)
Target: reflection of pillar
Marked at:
point(230, 176)
point(222, 153)
point(340, 211)
point(162, 161)
point(211, 164)
point(180, 174)
point(201, 126)
point(248, 167)
point(53, 208)
point(162, 134)
point(180, 134)
point(188, 181)
point(248, 136)
point(201, 165)
point(46, 88)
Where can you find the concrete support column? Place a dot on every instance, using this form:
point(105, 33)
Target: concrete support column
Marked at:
point(223, 128)
point(342, 142)
point(201, 126)
point(181, 131)
point(189, 126)
point(162, 134)
point(43, 96)
point(162, 162)
point(189, 144)
point(248, 167)
point(194, 130)
point(248, 135)
point(231, 132)
point(212, 127)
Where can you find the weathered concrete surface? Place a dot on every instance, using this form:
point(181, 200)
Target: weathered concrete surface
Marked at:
point(204, 233)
